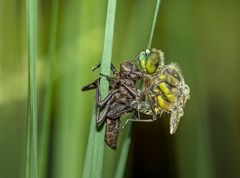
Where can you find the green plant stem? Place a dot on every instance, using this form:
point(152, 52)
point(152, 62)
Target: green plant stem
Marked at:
point(154, 22)
point(45, 122)
point(31, 151)
point(89, 152)
point(98, 137)
point(124, 153)
point(127, 139)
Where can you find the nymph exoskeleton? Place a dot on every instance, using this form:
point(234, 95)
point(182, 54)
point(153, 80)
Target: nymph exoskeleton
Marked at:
point(122, 91)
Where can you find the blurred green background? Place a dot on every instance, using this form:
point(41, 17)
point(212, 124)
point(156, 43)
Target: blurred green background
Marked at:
point(202, 36)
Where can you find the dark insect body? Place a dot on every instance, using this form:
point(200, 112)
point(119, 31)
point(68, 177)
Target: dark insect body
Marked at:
point(122, 92)
point(163, 90)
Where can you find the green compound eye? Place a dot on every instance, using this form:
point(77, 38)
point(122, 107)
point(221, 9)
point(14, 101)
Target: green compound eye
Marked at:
point(150, 60)
point(152, 63)
point(142, 60)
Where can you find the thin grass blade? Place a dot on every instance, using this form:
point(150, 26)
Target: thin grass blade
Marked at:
point(89, 153)
point(154, 22)
point(127, 139)
point(96, 154)
point(31, 151)
point(124, 153)
point(45, 122)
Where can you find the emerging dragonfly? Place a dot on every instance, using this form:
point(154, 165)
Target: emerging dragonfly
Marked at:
point(163, 88)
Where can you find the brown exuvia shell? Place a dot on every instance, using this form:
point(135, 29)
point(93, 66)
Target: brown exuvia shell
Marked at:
point(112, 132)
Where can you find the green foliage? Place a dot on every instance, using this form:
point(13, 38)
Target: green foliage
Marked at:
point(127, 139)
point(95, 148)
point(44, 131)
point(31, 148)
point(154, 23)
point(122, 161)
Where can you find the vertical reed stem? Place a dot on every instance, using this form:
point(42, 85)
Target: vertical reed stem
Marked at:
point(95, 148)
point(31, 151)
